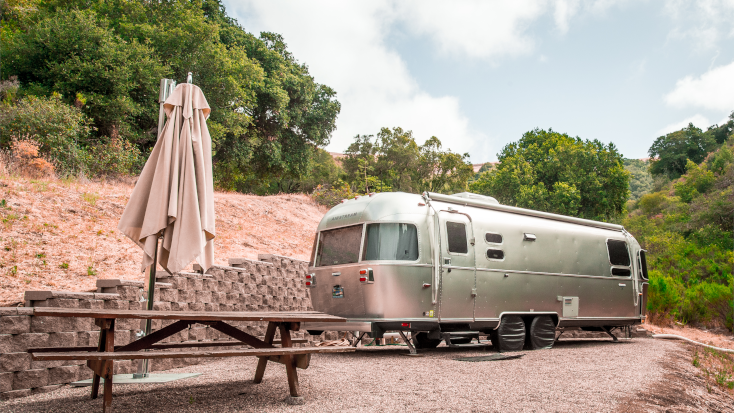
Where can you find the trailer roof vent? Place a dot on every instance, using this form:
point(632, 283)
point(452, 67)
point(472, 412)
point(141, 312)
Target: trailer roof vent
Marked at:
point(478, 197)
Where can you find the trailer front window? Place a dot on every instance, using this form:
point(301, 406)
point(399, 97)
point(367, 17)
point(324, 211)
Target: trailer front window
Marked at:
point(339, 246)
point(390, 242)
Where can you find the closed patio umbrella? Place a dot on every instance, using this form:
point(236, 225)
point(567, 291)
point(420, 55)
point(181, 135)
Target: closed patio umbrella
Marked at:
point(174, 196)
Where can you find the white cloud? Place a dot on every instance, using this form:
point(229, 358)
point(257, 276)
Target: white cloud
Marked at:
point(698, 121)
point(477, 29)
point(712, 90)
point(343, 43)
point(706, 22)
point(564, 11)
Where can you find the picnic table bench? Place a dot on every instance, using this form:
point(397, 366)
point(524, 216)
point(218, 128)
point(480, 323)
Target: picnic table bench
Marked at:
point(101, 358)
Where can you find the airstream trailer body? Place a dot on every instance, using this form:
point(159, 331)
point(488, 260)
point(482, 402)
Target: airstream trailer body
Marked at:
point(439, 263)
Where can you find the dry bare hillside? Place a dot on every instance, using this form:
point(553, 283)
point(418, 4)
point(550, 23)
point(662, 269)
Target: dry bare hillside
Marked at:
point(62, 235)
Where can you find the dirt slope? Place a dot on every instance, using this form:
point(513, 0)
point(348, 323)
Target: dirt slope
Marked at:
point(62, 235)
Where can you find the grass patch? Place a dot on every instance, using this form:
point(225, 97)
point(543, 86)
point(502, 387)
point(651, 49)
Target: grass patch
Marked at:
point(90, 197)
point(717, 367)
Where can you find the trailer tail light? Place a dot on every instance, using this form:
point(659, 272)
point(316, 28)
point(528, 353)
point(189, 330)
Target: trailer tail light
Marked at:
point(366, 276)
point(310, 280)
point(407, 325)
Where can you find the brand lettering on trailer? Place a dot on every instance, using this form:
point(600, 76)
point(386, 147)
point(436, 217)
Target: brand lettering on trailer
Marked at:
point(345, 216)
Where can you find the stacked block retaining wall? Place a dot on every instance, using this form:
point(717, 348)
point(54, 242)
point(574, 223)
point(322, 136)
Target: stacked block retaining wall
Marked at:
point(274, 283)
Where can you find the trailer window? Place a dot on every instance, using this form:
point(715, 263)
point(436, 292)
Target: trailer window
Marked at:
point(618, 254)
point(391, 242)
point(643, 264)
point(456, 234)
point(493, 238)
point(493, 254)
point(339, 246)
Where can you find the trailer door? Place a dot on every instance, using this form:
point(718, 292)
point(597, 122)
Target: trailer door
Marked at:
point(457, 285)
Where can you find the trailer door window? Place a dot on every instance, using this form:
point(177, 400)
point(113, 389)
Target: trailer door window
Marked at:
point(390, 242)
point(643, 264)
point(493, 238)
point(456, 234)
point(339, 246)
point(618, 254)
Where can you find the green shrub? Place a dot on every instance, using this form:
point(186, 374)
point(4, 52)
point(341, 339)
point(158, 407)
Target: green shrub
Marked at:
point(663, 297)
point(708, 304)
point(61, 130)
point(332, 195)
point(115, 157)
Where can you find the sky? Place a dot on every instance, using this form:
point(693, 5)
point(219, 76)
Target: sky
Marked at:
point(479, 74)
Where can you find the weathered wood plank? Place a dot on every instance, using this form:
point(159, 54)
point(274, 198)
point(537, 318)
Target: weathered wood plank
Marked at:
point(134, 355)
point(185, 344)
point(156, 336)
point(306, 316)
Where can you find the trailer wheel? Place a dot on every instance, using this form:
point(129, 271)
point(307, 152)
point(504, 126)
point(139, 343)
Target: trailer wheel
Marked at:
point(542, 332)
point(421, 341)
point(510, 335)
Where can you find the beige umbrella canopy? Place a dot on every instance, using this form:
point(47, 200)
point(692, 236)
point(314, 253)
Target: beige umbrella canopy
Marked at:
point(174, 196)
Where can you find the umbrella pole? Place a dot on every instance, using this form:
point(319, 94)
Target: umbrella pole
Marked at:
point(143, 366)
point(167, 86)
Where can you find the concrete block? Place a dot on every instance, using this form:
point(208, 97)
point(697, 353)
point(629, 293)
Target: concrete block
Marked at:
point(211, 285)
point(22, 342)
point(6, 382)
point(230, 276)
point(179, 306)
point(196, 306)
point(61, 303)
point(211, 307)
point(6, 343)
point(88, 338)
point(29, 379)
point(203, 296)
point(162, 306)
point(15, 394)
point(63, 374)
point(117, 305)
point(169, 294)
point(129, 293)
point(15, 324)
point(196, 284)
point(62, 339)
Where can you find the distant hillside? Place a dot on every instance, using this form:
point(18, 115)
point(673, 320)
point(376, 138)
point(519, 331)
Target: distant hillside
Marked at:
point(62, 235)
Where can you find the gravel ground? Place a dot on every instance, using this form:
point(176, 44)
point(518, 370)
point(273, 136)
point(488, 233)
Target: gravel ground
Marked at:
point(576, 375)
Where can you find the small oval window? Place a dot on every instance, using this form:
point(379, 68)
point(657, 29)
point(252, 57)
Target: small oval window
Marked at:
point(493, 254)
point(493, 238)
point(621, 272)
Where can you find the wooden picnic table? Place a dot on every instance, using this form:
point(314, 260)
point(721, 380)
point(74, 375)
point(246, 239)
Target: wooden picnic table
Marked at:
point(101, 358)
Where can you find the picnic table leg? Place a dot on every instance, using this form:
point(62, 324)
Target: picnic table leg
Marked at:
point(290, 366)
point(100, 347)
point(109, 346)
point(263, 361)
point(104, 369)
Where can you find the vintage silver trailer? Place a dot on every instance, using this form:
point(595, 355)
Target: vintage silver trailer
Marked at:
point(455, 266)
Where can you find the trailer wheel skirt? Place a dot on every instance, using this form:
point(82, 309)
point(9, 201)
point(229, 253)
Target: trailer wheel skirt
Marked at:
point(510, 335)
point(542, 332)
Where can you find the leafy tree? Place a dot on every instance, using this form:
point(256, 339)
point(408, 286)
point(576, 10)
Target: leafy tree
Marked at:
point(641, 182)
point(686, 227)
point(394, 161)
point(554, 172)
point(443, 171)
point(670, 153)
point(108, 56)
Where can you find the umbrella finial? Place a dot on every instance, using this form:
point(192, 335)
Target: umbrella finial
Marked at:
point(188, 78)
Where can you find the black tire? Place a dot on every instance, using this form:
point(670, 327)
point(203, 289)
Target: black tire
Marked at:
point(510, 335)
point(542, 332)
point(421, 341)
